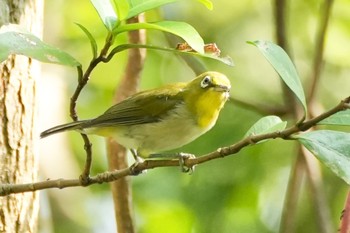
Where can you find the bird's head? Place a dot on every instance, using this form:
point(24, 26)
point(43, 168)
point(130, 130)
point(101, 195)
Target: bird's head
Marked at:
point(210, 83)
point(205, 96)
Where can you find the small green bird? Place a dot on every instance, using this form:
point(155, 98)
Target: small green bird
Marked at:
point(160, 119)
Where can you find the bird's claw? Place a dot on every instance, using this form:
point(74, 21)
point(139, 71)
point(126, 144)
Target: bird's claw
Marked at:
point(133, 168)
point(134, 171)
point(182, 162)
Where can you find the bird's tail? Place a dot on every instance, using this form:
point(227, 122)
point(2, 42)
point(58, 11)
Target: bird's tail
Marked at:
point(60, 128)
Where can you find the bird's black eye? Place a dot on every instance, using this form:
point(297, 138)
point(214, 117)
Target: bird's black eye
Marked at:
point(205, 82)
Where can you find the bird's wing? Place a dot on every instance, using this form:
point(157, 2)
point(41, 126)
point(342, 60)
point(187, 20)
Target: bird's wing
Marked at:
point(143, 107)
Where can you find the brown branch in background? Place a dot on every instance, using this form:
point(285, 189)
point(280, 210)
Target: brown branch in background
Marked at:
point(317, 192)
point(345, 217)
point(294, 185)
point(6, 189)
point(280, 9)
point(260, 108)
point(117, 154)
point(311, 166)
point(288, 225)
point(314, 178)
point(319, 51)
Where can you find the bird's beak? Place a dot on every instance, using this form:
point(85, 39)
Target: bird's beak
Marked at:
point(222, 88)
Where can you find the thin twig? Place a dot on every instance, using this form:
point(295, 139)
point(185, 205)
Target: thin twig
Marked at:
point(83, 79)
point(319, 49)
point(6, 189)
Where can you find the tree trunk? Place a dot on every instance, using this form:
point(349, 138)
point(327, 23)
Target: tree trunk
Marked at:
point(18, 139)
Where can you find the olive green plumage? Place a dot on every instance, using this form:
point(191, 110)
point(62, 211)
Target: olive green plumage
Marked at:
point(160, 119)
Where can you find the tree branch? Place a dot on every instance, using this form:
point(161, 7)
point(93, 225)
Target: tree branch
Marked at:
point(117, 154)
point(319, 49)
point(280, 12)
point(345, 217)
point(287, 224)
point(6, 189)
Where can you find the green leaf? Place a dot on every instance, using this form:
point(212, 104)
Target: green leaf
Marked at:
point(139, 6)
point(14, 40)
point(181, 29)
point(106, 12)
point(208, 4)
point(332, 148)
point(340, 118)
point(120, 48)
point(91, 39)
point(281, 62)
point(122, 7)
point(265, 125)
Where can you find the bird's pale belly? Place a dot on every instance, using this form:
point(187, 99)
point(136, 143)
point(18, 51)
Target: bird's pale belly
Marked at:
point(174, 130)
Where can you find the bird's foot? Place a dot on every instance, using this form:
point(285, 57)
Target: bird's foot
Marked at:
point(182, 162)
point(134, 170)
point(133, 167)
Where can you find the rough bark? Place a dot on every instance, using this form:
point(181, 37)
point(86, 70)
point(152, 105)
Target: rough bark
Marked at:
point(18, 150)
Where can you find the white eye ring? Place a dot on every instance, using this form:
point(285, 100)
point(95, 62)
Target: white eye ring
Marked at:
point(205, 81)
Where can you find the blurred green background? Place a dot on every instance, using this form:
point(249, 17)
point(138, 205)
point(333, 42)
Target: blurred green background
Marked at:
point(240, 193)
